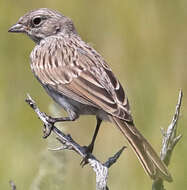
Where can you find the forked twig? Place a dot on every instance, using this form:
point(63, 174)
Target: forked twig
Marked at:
point(67, 142)
point(170, 139)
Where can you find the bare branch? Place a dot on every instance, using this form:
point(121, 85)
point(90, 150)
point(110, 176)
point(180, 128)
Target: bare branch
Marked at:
point(100, 169)
point(170, 139)
point(114, 158)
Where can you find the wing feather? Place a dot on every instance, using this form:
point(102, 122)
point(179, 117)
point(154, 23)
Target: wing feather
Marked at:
point(80, 72)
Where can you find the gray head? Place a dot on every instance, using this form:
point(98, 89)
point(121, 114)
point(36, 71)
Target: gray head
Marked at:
point(41, 23)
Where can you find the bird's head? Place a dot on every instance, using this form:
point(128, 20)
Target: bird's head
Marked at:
point(41, 23)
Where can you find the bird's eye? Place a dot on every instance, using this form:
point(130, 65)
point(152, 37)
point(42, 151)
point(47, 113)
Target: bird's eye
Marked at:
point(36, 21)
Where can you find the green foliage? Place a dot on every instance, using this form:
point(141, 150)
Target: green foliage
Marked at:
point(145, 44)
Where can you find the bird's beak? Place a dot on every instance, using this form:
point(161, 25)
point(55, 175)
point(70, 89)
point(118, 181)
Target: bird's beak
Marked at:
point(17, 28)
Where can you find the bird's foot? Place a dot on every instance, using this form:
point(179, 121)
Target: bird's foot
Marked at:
point(88, 151)
point(47, 130)
point(48, 126)
point(49, 123)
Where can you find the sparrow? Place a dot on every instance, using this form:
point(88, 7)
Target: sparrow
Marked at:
point(78, 78)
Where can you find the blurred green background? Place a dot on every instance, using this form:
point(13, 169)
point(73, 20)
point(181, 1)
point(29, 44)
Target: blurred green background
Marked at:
point(145, 43)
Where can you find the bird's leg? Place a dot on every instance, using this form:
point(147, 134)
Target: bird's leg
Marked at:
point(90, 147)
point(52, 120)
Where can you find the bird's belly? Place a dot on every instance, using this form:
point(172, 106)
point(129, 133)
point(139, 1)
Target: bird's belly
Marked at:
point(78, 108)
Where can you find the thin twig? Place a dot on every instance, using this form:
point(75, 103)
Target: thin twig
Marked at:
point(170, 139)
point(67, 142)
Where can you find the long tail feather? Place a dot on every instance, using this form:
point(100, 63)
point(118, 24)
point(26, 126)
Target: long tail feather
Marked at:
point(149, 159)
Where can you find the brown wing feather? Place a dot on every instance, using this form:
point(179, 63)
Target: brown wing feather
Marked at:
point(82, 72)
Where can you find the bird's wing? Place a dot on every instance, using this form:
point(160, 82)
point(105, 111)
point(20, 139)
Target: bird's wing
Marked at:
point(81, 74)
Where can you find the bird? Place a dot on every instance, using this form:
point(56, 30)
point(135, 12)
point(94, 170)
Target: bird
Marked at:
point(78, 78)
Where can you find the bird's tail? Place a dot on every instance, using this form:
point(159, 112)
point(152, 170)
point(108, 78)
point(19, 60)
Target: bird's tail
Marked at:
point(149, 159)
